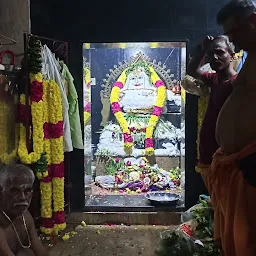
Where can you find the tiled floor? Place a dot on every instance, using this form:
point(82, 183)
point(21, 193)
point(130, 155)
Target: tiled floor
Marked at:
point(110, 241)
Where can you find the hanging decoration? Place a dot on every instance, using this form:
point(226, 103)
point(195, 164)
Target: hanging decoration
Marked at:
point(37, 122)
point(53, 130)
point(52, 186)
point(157, 111)
point(47, 158)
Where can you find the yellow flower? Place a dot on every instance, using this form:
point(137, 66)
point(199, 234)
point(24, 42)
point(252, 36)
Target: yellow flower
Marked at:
point(161, 96)
point(38, 132)
point(57, 155)
point(122, 121)
point(47, 150)
point(149, 151)
point(36, 77)
point(47, 231)
point(183, 95)
point(114, 96)
point(60, 227)
point(150, 131)
point(122, 77)
point(58, 194)
point(46, 199)
point(87, 75)
point(87, 117)
point(65, 237)
point(45, 174)
point(39, 175)
point(29, 158)
point(55, 106)
point(154, 75)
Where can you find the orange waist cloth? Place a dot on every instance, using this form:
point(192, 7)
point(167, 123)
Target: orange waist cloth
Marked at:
point(234, 202)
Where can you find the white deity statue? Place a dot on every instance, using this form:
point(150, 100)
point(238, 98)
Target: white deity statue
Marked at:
point(138, 94)
point(137, 99)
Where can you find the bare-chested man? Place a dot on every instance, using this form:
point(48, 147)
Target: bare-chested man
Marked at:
point(233, 170)
point(18, 236)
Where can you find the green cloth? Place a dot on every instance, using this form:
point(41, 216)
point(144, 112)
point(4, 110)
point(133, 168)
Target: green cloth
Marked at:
point(73, 112)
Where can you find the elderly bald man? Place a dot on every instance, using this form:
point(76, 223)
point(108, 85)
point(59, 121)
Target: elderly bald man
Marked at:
point(18, 236)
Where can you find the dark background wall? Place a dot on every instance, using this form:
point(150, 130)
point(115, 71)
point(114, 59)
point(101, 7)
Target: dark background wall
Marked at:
point(134, 20)
point(14, 21)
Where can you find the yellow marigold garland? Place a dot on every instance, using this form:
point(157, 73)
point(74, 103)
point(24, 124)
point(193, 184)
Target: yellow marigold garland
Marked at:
point(47, 124)
point(158, 108)
point(38, 133)
point(51, 188)
point(57, 154)
point(46, 184)
point(114, 100)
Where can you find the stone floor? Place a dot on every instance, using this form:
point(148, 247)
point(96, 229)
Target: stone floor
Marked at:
point(110, 240)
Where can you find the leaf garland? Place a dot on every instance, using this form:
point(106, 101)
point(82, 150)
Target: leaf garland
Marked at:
point(34, 56)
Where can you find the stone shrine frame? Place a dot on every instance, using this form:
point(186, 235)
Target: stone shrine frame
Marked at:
point(109, 170)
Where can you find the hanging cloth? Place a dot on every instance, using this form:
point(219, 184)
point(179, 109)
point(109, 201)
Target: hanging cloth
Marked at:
point(51, 70)
point(74, 117)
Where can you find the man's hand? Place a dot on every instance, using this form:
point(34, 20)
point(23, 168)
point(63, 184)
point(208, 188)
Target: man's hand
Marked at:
point(195, 63)
point(206, 42)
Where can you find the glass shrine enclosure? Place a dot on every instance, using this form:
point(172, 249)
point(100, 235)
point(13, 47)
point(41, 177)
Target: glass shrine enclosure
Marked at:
point(134, 114)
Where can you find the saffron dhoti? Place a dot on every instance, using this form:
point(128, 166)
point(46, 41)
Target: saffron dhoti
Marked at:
point(234, 203)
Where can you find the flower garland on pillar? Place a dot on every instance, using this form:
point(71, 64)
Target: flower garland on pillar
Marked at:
point(157, 111)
